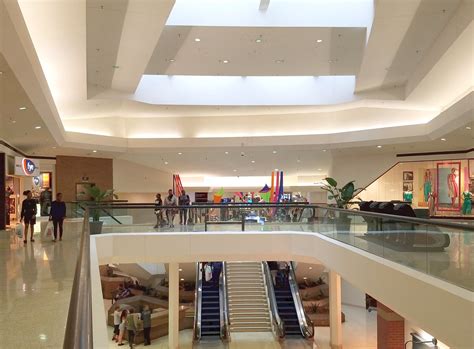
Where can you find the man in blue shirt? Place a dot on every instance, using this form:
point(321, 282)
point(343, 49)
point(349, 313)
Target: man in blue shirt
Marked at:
point(57, 215)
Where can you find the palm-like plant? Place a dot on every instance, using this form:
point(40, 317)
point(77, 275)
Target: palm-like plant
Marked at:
point(98, 195)
point(343, 196)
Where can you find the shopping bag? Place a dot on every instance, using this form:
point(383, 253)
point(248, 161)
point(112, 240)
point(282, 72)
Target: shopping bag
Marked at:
point(19, 230)
point(49, 229)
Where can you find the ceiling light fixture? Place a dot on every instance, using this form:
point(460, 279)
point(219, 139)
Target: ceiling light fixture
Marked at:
point(1, 73)
point(182, 279)
point(253, 161)
point(180, 153)
point(94, 151)
point(258, 41)
point(171, 60)
point(225, 61)
point(324, 150)
point(235, 170)
point(166, 162)
point(310, 268)
point(37, 127)
point(274, 152)
point(379, 146)
point(279, 61)
point(319, 41)
point(180, 269)
point(226, 153)
point(22, 108)
point(197, 39)
point(443, 139)
point(468, 127)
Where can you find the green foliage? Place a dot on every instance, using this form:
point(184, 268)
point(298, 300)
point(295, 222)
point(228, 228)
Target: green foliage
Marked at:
point(343, 196)
point(98, 195)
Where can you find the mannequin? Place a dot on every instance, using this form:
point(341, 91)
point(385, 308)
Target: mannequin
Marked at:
point(467, 204)
point(453, 188)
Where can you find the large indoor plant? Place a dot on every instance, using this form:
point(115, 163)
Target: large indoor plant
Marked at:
point(97, 196)
point(344, 199)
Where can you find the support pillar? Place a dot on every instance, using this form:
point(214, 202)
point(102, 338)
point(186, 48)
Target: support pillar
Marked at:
point(173, 306)
point(335, 308)
point(390, 328)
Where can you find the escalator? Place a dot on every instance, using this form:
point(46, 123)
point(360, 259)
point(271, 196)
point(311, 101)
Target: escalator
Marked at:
point(288, 309)
point(211, 316)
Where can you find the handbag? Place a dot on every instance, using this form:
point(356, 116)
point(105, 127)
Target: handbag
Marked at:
point(19, 230)
point(49, 229)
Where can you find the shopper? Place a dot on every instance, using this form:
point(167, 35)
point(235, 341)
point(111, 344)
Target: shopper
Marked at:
point(158, 213)
point(183, 212)
point(117, 315)
point(131, 327)
point(170, 200)
point(146, 318)
point(28, 215)
point(122, 326)
point(57, 215)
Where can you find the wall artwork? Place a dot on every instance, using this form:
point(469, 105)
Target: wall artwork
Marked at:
point(471, 168)
point(407, 186)
point(448, 186)
point(407, 176)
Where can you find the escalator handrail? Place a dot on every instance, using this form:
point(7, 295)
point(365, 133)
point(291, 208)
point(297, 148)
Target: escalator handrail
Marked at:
point(306, 325)
point(275, 315)
point(197, 303)
point(225, 324)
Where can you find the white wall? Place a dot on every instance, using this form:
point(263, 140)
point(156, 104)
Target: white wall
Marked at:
point(351, 295)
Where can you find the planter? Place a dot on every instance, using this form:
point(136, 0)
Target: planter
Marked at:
point(95, 227)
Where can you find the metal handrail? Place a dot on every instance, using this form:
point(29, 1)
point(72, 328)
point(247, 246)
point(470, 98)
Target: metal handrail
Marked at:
point(225, 323)
point(422, 221)
point(78, 334)
point(275, 315)
point(306, 325)
point(197, 303)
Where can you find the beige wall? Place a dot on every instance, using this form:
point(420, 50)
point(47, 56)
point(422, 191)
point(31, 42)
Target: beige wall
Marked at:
point(71, 170)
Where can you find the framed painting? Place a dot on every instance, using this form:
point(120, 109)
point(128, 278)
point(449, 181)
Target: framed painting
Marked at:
point(407, 176)
point(407, 186)
point(470, 164)
point(448, 186)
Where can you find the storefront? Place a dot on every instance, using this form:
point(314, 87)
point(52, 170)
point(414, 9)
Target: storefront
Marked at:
point(443, 188)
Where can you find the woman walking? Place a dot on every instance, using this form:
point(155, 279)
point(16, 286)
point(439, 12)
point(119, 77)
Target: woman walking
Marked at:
point(28, 215)
point(57, 215)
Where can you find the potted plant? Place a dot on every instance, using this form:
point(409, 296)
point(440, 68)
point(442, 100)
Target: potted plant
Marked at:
point(97, 196)
point(343, 198)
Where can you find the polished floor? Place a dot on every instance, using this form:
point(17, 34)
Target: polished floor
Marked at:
point(35, 288)
point(359, 332)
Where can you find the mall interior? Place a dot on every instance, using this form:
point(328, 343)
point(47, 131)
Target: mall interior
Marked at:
point(247, 174)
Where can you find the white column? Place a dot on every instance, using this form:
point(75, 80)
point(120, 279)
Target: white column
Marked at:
point(335, 320)
point(173, 304)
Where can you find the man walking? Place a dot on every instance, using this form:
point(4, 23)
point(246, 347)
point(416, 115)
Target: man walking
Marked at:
point(170, 200)
point(183, 212)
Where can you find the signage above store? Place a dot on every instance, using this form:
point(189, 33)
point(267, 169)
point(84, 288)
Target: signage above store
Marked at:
point(26, 167)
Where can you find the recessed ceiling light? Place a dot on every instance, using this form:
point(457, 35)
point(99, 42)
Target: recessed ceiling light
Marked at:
point(443, 139)
point(166, 162)
point(182, 279)
point(279, 61)
point(253, 161)
point(22, 108)
point(468, 127)
point(171, 60)
point(180, 269)
point(180, 153)
point(235, 170)
point(225, 61)
point(37, 127)
point(94, 151)
point(258, 41)
point(324, 150)
point(305, 278)
point(310, 268)
point(1, 73)
point(226, 153)
point(274, 152)
point(13, 121)
point(319, 40)
point(197, 39)
point(379, 146)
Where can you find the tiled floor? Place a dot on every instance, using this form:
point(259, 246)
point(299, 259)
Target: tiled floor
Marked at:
point(35, 288)
point(359, 332)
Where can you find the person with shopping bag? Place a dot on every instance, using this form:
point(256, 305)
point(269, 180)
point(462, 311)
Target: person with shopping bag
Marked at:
point(57, 215)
